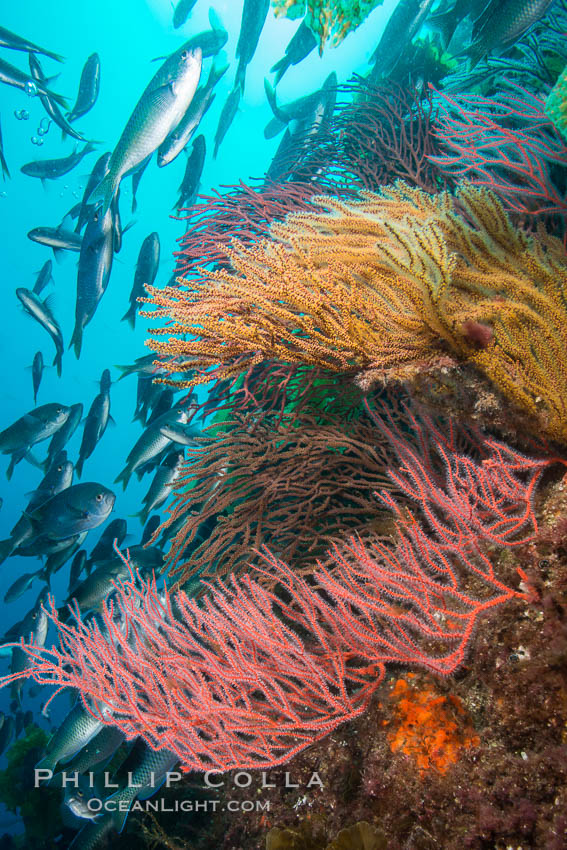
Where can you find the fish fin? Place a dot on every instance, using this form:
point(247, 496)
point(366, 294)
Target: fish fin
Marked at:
point(129, 316)
point(49, 301)
point(280, 68)
point(58, 98)
point(271, 96)
point(46, 763)
point(31, 458)
point(59, 254)
point(14, 459)
point(215, 21)
point(58, 361)
point(79, 467)
point(6, 549)
point(120, 813)
point(124, 369)
point(56, 56)
point(77, 340)
point(4, 164)
point(124, 477)
point(218, 69)
point(104, 193)
point(89, 147)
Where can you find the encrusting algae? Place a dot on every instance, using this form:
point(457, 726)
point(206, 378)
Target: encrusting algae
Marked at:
point(398, 283)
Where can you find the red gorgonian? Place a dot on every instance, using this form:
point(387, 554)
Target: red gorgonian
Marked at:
point(247, 676)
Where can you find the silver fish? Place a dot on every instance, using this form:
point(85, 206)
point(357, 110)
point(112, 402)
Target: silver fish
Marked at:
point(146, 271)
point(160, 108)
point(52, 169)
point(182, 11)
point(41, 312)
point(78, 508)
point(95, 265)
point(165, 476)
point(95, 426)
point(89, 86)
point(13, 76)
point(502, 23)
point(15, 42)
point(150, 443)
point(58, 238)
point(78, 728)
point(228, 112)
point(32, 428)
point(192, 176)
point(254, 15)
point(44, 276)
point(146, 770)
point(300, 46)
point(3, 163)
point(19, 587)
point(62, 437)
point(180, 137)
point(37, 373)
point(104, 548)
point(50, 105)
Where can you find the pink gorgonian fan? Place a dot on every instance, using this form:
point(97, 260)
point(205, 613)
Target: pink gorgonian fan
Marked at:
point(506, 143)
point(246, 677)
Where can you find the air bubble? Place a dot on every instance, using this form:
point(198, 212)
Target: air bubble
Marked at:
point(31, 88)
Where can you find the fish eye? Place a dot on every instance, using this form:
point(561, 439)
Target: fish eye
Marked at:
point(99, 497)
point(185, 54)
point(79, 793)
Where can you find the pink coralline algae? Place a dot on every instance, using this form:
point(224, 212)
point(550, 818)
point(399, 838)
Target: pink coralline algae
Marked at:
point(247, 676)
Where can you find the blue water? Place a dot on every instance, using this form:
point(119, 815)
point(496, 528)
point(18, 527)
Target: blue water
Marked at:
point(127, 35)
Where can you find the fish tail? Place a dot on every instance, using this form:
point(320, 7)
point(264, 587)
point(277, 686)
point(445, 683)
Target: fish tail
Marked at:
point(77, 340)
point(89, 148)
point(104, 193)
point(4, 164)
point(46, 763)
point(6, 549)
point(11, 467)
point(58, 361)
point(124, 477)
point(130, 316)
point(58, 98)
point(280, 68)
point(56, 56)
point(121, 812)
